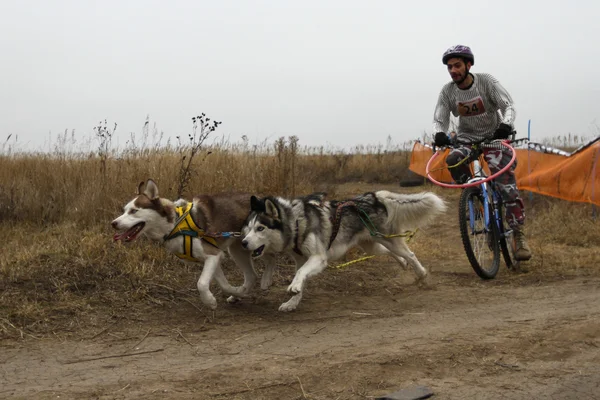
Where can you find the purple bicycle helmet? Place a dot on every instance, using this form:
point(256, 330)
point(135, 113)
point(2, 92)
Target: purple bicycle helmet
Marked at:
point(458, 51)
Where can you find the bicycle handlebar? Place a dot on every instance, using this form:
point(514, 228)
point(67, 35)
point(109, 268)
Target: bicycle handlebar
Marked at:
point(504, 143)
point(485, 143)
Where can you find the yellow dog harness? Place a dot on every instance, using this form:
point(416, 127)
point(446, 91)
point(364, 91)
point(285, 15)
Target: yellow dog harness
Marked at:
point(186, 227)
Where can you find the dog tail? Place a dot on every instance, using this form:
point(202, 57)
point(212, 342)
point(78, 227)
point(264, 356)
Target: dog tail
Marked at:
point(410, 211)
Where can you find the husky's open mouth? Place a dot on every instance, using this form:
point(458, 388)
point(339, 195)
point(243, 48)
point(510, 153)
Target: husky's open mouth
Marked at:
point(258, 252)
point(130, 234)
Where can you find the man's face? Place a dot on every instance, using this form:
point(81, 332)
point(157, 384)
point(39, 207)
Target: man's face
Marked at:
point(458, 69)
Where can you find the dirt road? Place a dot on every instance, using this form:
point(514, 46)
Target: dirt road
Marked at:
point(462, 338)
point(360, 332)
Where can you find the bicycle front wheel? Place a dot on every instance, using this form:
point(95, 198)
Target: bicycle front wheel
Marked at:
point(479, 237)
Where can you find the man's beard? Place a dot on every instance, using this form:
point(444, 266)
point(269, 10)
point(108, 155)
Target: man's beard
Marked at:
point(462, 78)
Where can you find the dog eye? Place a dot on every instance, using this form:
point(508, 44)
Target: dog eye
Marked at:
point(133, 211)
point(260, 228)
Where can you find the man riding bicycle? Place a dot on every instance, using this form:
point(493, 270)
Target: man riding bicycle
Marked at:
point(485, 111)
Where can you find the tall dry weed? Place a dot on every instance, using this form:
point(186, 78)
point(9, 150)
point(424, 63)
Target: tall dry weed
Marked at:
point(89, 187)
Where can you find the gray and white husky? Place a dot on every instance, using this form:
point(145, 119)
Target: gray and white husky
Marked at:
point(314, 230)
point(190, 234)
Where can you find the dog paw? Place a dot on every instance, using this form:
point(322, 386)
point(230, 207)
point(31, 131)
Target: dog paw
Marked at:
point(233, 299)
point(291, 304)
point(209, 300)
point(239, 291)
point(423, 281)
point(422, 274)
point(287, 307)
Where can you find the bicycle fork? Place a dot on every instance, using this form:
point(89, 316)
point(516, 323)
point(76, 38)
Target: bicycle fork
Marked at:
point(489, 217)
point(486, 212)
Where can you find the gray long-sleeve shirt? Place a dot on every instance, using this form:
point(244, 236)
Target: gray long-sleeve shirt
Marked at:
point(480, 109)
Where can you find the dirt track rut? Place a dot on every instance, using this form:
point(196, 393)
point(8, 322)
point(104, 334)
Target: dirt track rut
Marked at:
point(462, 338)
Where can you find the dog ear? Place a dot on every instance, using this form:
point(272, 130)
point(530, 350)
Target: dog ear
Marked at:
point(271, 209)
point(140, 189)
point(151, 190)
point(256, 204)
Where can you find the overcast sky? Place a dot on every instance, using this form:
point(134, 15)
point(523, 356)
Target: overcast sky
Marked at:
point(330, 72)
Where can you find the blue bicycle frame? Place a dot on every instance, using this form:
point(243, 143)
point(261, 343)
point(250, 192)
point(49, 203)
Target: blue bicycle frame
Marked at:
point(496, 199)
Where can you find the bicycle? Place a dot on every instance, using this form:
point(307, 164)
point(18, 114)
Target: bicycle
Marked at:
point(484, 232)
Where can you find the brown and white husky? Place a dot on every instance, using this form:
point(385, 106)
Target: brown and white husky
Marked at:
point(200, 231)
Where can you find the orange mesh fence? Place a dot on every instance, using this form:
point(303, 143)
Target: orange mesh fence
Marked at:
point(551, 172)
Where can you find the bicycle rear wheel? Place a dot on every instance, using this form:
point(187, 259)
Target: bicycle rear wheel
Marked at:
point(480, 240)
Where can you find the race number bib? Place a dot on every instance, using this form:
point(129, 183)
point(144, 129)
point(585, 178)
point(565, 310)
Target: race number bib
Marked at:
point(471, 108)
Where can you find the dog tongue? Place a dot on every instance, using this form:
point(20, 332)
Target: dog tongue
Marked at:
point(127, 235)
point(118, 236)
